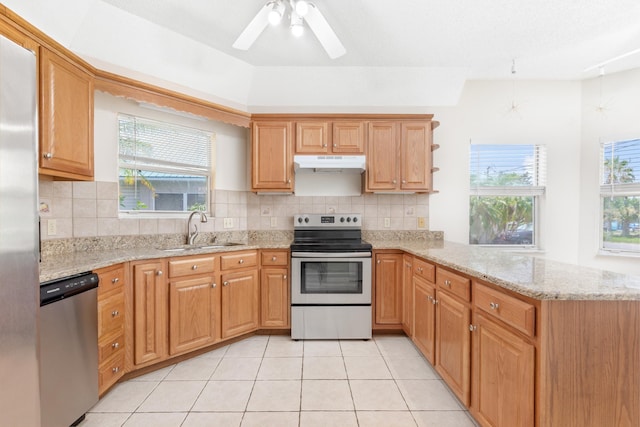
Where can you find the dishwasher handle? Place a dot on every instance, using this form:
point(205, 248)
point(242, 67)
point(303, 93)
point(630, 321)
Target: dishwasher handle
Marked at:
point(59, 289)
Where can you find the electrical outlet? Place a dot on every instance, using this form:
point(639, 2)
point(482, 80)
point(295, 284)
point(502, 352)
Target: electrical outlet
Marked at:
point(52, 227)
point(422, 222)
point(387, 222)
point(228, 223)
point(274, 221)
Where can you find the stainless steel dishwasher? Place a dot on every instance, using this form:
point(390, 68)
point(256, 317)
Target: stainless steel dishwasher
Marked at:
point(68, 349)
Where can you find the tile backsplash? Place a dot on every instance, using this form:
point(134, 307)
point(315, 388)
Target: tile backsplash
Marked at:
point(90, 209)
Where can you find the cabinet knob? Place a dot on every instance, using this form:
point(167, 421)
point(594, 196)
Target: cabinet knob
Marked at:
point(419, 269)
point(115, 370)
point(324, 145)
point(159, 273)
point(213, 285)
point(273, 259)
point(404, 181)
point(434, 301)
point(289, 181)
point(115, 345)
point(225, 283)
point(378, 261)
point(472, 328)
point(335, 145)
point(115, 280)
point(241, 261)
point(284, 277)
point(115, 313)
point(447, 282)
point(48, 156)
point(394, 181)
point(194, 267)
point(494, 305)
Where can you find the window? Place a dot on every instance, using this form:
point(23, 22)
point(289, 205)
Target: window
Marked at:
point(163, 167)
point(507, 182)
point(620, 196)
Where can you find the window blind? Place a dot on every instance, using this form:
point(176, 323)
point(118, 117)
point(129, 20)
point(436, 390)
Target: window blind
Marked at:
point(620, 168)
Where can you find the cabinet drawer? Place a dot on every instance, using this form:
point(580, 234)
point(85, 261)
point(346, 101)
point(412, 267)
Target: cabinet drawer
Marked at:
point(111, 280)
point(110, 314)
point(268, 258)
point(425, 270)
point(518, 314)
point(110, 372)
point(454, 284)
point(191, 265)
point(109, 346)
point(238, 260)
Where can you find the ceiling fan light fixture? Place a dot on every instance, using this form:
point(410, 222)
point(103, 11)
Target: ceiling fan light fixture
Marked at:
point(297, 27)
point(301, 7)
point(276, 13)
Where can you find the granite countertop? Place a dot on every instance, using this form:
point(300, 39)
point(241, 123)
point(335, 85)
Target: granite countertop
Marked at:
point(523, 273)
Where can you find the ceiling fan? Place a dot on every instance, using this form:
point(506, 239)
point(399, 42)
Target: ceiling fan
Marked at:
point(300, 11)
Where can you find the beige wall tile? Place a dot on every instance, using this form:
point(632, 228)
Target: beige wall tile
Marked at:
point(84, 190)
point(108, 227)
point(107, 208)
point(85, 227)
point(148, 226)
point(107, 190)
point(84, 208)
point(62, 189)
point(129, 227)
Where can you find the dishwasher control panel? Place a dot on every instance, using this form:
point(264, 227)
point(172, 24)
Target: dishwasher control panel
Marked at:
point(66, 287)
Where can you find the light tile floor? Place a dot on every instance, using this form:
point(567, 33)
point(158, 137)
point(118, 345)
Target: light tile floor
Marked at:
point(274, 381)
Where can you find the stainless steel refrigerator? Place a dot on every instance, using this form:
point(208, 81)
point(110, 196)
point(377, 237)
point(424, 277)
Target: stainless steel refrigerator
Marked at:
point(19, 277)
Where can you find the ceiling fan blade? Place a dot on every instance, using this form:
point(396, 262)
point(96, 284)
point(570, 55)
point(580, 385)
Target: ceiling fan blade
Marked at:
point(324, 33)
point(254, 29)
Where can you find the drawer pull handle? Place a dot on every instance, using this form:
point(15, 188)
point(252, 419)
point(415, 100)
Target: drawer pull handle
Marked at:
point(194, 267)
point(115, 280)
point(494, 305)
point(159, 273)
point(241, 261)
point(115, 345)
point(225, 283)
point(115, 370)
point(447, 282)
point(115, 313)
point(273, 259)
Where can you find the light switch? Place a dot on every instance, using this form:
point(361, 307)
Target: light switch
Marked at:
point(387, 222)
point(274, 221)
point(52, 227)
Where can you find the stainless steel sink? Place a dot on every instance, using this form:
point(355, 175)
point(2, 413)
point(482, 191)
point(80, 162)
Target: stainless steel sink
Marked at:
point(183, 248)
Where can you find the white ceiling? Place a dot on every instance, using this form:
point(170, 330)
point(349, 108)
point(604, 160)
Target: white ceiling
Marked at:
point(549, 39)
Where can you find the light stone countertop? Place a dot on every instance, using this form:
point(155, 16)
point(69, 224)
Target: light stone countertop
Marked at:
point(525, 274)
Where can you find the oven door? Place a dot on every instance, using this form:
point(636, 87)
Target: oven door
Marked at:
point(330, 278)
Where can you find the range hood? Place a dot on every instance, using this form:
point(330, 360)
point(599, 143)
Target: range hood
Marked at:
point(344, 164)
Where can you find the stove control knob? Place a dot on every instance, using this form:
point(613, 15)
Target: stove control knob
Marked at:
point(299, 220)
point(348, 219)
point(355, 219)
point(306, 220)
point(341, 219)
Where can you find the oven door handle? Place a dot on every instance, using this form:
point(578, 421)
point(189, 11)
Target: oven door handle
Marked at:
point(330, 255)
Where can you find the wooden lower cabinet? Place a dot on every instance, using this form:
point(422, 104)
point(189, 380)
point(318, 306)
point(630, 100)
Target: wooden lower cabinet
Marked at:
point(424, 332)
point(503, 376)
point(149, 312)
point(388, 288)
point(274, 293)
point(240, 299)
point(407, 295)
point(193, 308)
point(453, 344)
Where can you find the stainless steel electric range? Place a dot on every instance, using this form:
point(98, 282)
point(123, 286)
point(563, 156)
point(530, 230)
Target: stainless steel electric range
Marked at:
point(330, 278)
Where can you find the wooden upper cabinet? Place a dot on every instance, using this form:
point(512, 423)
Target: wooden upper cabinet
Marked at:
point(324, 137)
point(66, 118)
point(399, 156)
point(272, 160)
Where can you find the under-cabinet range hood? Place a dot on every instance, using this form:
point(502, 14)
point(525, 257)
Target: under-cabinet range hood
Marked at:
point(344, 164)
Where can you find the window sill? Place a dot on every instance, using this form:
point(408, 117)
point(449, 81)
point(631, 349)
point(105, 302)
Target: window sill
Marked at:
point(618, 254)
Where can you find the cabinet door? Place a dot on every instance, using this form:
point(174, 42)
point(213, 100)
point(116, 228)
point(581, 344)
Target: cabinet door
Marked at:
point(271, 156)
point(312, 138)
point(192, 313)
point(407, 295)
point(348, 137)
point(274, 290)
point(240, 302)
point(150, 312)
point(503, 376)
point(382, 156)
point(424, 335)
point(389, 289)
point(66, 118)
point(415, 156)
point(453, 344)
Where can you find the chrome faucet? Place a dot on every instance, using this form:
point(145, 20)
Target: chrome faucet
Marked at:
point(191, 237)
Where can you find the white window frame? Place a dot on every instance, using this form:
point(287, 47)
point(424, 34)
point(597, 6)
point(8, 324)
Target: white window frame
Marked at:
point(535, 191)
point(614, 190)
point(163, 166)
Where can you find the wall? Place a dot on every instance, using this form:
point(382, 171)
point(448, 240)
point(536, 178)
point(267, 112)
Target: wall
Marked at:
point(619, 94)
point(548, 112)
